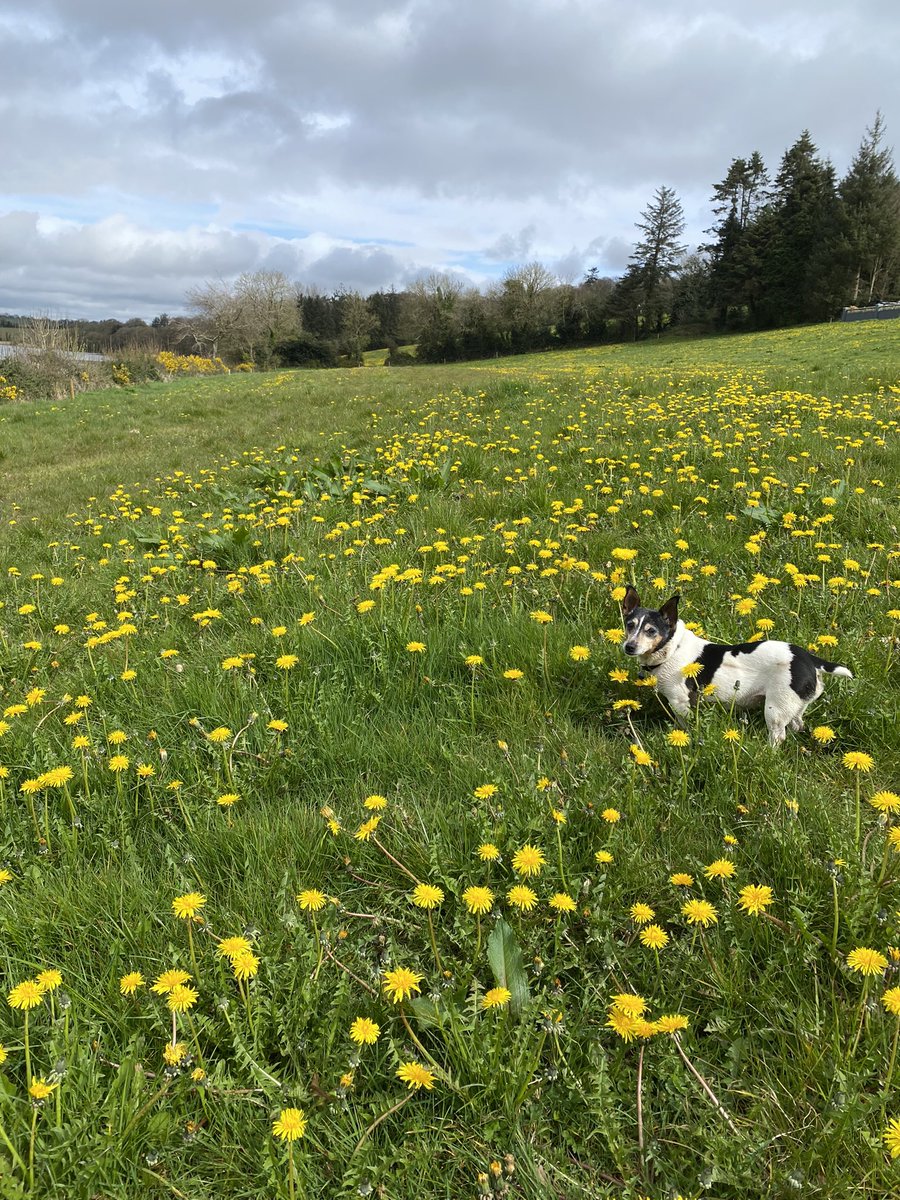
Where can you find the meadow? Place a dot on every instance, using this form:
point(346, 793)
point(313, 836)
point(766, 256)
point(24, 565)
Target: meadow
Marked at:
point(343, 851)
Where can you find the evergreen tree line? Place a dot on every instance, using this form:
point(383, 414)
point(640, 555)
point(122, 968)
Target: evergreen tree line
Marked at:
point(781, 251)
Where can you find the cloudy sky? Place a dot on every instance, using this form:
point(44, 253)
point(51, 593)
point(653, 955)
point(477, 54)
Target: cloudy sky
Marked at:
point(147, 148)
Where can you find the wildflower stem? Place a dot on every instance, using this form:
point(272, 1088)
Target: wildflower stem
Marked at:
point(640, 1101)
point(31, 1148)
point(384, 1116)
point(318, 948)
point(862, 1016)
point(17, 1158)
point(837, 915)
point(858, 813)
point(437, 957)
point(717, 1104)
point(27, 1050)
point(395, 861)
point(191, 948)
point(893, 1059)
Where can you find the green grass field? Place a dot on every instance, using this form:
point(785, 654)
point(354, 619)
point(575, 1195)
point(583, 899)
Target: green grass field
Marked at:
point(311, 690)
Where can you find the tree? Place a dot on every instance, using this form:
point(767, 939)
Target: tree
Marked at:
point(734, 265)
point(523, 298)
point(803, 265)
point(246, 318)
point(656, 256)
point(357, 323)
point(436, 301)
point(871, 194)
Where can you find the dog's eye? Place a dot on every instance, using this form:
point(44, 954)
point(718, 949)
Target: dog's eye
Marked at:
point(649, 629)
point(630, 624)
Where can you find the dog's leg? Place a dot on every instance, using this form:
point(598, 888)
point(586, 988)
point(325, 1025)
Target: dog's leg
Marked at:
point(678, 699)
point(777, 720)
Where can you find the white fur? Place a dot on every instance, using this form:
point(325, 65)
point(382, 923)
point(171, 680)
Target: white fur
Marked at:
point(762, 678)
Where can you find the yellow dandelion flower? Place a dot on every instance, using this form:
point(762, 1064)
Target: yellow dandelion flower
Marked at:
point(365, 1032)
point(856, 760)
point(488, 852)
point(478, 900)
point(497, 997)
point(415, 1076)
point(312, 900)
point(699, 912)
point(290, 1124)
point(722, 868)
point(187, 906)
point(426, 895)
point(654, 937)
point(866, 961)
point(755, 899)
point(529, 860)
point(400, 983)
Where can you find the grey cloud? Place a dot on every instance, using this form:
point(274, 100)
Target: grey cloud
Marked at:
point(484, 132)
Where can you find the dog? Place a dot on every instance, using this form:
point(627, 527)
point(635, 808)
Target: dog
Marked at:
point(779, 676)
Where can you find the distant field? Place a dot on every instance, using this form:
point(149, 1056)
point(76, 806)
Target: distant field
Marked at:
point(310, 690)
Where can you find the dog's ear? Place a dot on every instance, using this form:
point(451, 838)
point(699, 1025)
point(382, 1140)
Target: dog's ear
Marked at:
point(630, 601)
point(670, 610)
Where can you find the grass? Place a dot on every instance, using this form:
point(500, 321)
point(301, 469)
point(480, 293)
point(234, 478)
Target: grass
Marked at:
point(270, 585)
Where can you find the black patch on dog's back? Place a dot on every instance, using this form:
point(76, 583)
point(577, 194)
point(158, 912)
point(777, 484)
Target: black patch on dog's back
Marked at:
point(711, 658)
point(803, 673)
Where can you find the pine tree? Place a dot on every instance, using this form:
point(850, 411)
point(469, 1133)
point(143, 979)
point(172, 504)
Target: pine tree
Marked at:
point(656, 256)
point(803, 263)
point(871, 194)
point(734, 262)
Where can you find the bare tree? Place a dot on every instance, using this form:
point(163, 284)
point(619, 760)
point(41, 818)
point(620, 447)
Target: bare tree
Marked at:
point(246, 318)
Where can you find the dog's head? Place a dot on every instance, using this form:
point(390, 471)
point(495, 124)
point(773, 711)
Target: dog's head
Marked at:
point(647, 629)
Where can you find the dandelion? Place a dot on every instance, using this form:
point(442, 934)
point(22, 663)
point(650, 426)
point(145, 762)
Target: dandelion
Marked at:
point(181, 998)
point(365, 1032)
point(426, 895)
point(672, 1023)
point(654, 937)
point(173, 978)
point(885, 802)
point(562, 902)
point(488, 852)
point(681, 879)
point(415, 647)
point(187, 906)
point(174, 1053)
point(219, 735)
point(415, 1076)
point(375, 802)
point(485, 791)
point(497, 997)
point(367, 828)
point(474, 660)
point(232, 947)
point(625, 1025)
point(522, 897)
point(286, 662)
point(891, 1137)
point(856, 760)
point(49, 981)
point(579, 653)
point(722, 868)
point(823, 734)
point(312, 900)
point(130, 983)
point(245, 965)
point(529, 860)
point(866, 961)
point(40, 1089)
point(755, 899)
point(478, 900)
point(699, 912)
point(603, 858)
point(513, 673)
point(26, 995)
point(401, 983)
point(611, 815)
point(641, 913)
point(691, 671)
point(678, 738)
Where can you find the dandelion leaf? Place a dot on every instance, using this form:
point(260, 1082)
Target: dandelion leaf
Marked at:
point(505, 956)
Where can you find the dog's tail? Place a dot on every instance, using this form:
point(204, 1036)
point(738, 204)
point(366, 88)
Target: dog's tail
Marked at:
point(831, 668)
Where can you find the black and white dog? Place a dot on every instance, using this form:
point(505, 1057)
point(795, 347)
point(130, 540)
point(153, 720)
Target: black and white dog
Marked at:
point(782, 677)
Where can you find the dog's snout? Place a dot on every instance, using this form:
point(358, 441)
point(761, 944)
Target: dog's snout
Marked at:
point(629, 648)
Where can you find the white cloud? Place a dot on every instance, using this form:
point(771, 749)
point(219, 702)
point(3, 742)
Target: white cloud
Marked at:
point(383, 137)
